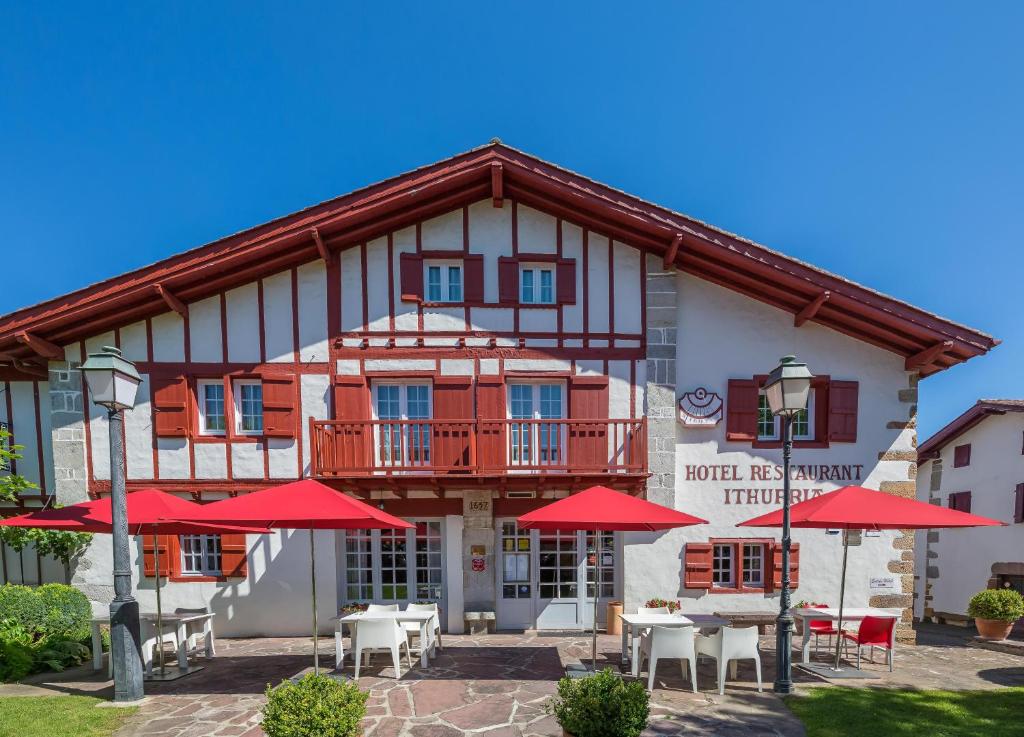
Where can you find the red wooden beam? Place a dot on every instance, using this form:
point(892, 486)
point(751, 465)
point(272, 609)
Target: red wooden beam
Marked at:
point(670, 255)
point(497, 183)
point(41, 347)
point(811, 309)
point(928, 356)
point(321, 247)
point(173, 302)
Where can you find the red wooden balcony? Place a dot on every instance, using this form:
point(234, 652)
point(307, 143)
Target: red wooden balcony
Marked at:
point(407, 452)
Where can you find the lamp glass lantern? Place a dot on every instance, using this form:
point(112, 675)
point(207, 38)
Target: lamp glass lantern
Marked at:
point(112, 379)
point(788, 387)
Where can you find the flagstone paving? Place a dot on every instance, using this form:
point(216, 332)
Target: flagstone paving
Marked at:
point(497, 686)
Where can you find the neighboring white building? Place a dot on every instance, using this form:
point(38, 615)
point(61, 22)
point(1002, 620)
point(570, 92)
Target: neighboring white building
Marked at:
point(975, 464)
point(461, 344)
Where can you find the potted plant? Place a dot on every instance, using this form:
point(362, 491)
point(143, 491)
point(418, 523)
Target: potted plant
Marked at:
point(673, 606)
point(353, 608)
point(995, 611)
point(601, 705)
point(314, 706)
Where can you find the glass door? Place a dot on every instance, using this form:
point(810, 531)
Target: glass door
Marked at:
point(559, 571)
point(515, 577)
point(534, 443)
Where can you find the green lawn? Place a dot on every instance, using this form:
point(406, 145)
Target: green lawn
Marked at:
point(872, 712)
point(58, 716)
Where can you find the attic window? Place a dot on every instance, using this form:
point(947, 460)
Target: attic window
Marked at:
point(962, 455)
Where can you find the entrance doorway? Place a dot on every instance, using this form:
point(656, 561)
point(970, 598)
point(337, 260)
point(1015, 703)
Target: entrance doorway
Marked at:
point(547, 580)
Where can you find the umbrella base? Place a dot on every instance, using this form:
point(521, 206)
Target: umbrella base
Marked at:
point(172, 674)
point(337, 675)
point(828, 671)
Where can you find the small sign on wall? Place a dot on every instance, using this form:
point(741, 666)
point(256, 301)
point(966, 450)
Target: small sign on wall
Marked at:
point(700, 408)
point(882, 584)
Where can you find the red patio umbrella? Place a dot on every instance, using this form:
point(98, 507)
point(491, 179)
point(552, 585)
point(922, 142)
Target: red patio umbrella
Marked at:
point(301, 505)
point(150, 512)
point(857, 508)
point(600, 509)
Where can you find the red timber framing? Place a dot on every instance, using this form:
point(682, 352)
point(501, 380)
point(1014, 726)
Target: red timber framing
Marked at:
point(496, 172)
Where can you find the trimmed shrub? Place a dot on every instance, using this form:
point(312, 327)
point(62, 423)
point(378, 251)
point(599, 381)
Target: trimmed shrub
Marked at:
point(42, 628)
point(315, 706)
point(1003, 604)
point(601, 705)
point(68, 612)
point(19, 604)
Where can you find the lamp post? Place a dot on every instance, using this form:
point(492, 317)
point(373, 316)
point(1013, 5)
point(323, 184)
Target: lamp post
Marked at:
point(787, 389)
point(112, 382)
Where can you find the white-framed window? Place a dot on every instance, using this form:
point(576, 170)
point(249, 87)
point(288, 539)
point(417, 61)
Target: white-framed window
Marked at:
point(515, 562)
point(753, 565)
point(358, 565)
point(723, 566)
point(200, 555)
point(443, 281)
point(395, 565)
point(212, 420)
point(429, 566)
point(537, 284)
point(536, 442)
point(769, 427)
point(248, 406)
point(400, 440)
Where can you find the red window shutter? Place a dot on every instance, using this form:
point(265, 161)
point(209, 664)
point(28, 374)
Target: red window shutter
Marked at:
point(794, 565)
point(233, 556)
point(473, 278)
point(697, 566)
point(741, 410)
point(842, 411)
point(588, 442)
point(1018, 506)
point(508, 280)
point(350, 446)
point(411, 267)
point(170, 406)
point(960, 501)
point(452, 443)
point(490, 405)
point(351, 398)
point(962, 455)
point(149, 544)
point(279, 415)
point(565, 281)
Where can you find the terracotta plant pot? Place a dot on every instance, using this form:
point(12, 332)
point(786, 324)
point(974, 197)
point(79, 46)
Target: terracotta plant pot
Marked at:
point(993, 629)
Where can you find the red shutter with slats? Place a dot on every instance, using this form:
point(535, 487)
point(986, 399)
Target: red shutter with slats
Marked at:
point(1018, 505)
point(741, 410)
point(842, 411)
point(490, 405)
point(962, 455)
point(565, 281)
point(351, 446)
point(453, 400)
point(411, 268)
point(279, 400)
point(508, 280)
point(149, 558)
point(776, 570)
point(473, 272)
point(588, 442)
point(170, 406)
point(233, 556)
point(697, 566)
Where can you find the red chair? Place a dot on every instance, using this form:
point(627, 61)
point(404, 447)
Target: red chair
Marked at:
point(874, 632)
point(821, 627)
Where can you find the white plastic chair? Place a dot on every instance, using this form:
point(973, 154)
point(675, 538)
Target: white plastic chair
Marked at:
point(195, 630)
point(728, 645)
point(434, 626)
point(381, 636)
point(674, 643)
point(382, 607)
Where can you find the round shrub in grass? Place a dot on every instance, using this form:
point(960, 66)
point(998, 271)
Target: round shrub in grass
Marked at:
point(67, 612)
point(601, 705)
point(314, 706)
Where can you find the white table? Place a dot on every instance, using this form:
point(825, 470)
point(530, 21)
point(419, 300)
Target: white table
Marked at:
point(424, 618)
point(631, 623)
point(851, 614)
point(148, 620)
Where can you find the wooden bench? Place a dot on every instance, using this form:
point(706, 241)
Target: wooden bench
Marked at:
point(479, 623)
point(762, 619)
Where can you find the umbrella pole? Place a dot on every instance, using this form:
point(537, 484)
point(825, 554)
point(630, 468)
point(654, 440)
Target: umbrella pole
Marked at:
point(312, 573)
point(159, 611)
point(597, 598)
point(842, 594)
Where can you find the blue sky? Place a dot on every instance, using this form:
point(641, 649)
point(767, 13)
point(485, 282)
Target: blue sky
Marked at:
point(881, 141)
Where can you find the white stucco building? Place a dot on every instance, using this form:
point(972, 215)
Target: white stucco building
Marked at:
point(975, 464)
point(463, 343)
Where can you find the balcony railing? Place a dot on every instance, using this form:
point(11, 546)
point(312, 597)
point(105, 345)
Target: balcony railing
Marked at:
point(477, 447)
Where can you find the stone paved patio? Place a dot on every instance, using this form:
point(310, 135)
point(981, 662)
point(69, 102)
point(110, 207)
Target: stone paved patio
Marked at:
point(496, 686)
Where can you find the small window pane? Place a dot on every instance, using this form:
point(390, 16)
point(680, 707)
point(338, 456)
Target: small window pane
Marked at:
point(546, 290)
point(434, 283)
point(213, 407)
point(765, 419)
point(722, 569)
point(251, 398)
point(753, 565)
point(527, 286)
point(454, 283)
